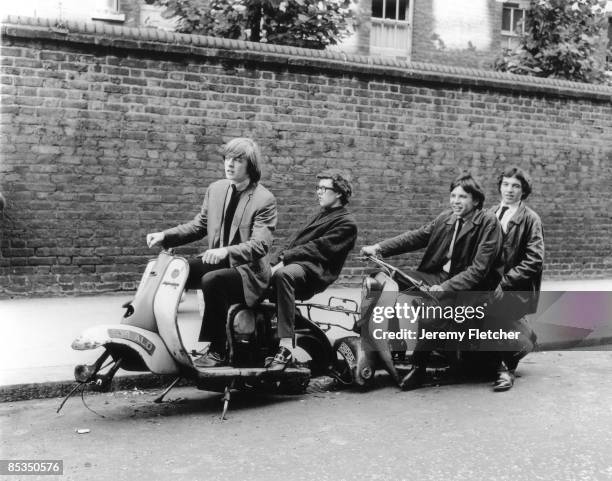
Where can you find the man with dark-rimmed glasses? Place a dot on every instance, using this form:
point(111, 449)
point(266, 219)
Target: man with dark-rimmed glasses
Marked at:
point(238, 216)
point(313, 259)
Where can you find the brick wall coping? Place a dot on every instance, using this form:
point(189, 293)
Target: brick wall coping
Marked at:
point(161, 41)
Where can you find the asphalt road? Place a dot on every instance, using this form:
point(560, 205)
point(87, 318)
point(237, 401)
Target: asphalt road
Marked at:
point(556, 424)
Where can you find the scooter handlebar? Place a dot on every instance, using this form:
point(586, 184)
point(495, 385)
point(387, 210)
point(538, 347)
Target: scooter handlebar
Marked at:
point(394, 271)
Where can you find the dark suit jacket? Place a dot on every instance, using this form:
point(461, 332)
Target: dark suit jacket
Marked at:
point(251, 232)
point(523, 256)
point(476, 260)
point(322, 246)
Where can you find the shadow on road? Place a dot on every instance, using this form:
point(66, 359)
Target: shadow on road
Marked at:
point(137, 404)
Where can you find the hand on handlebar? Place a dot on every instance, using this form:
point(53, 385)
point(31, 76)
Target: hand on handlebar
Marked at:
point(371, 251)
point(155, 238)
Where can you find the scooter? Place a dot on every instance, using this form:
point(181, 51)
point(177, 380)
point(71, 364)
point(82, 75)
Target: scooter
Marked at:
point(148, 339)
point(364, 355)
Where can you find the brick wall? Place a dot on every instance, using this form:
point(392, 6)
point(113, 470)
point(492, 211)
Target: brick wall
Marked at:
point(110, 135)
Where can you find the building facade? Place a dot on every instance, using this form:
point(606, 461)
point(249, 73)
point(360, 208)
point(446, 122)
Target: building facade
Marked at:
point(466, 34)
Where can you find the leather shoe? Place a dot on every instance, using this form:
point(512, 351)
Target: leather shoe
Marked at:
point(280, 361)
point(210, 359)
point(504, 381)
point(414, 378)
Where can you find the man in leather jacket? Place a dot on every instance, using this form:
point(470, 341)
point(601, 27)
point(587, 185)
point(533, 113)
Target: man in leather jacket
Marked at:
point(523, 256)
point(462, 253)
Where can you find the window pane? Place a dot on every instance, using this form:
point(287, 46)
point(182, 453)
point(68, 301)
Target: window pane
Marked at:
point(517, 25)
point(390, 9)
point(377, 8)
point(506, 16)
point(609, 56)
point(403, 7)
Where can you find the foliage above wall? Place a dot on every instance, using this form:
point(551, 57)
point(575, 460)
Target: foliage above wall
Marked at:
point(298, 23)
point(562, 40)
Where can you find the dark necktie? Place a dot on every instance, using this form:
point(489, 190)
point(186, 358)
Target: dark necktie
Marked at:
point(451, 247)
point(229, 215)
point(458, 226)
point(503, 210)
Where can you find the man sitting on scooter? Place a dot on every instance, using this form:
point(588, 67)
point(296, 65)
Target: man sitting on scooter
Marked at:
point(238, 216)
point(519, 289)
point(312, 259)
point(463, 247)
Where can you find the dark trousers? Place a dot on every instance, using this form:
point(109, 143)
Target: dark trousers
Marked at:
point(423, 347)
point(516, 350)
point(510, 313)
point(222, 287)
point(289, 282)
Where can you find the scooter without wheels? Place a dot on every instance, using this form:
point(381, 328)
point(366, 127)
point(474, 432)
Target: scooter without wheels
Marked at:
point(148, 339)
point(364, 355)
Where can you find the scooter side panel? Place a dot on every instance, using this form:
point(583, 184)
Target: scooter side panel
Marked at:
point(142, 304)
point(148, 345)
point(145, 276)
point(165, 307)
point(378, 348)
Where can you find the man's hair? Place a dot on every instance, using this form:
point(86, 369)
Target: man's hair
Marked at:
point(340, 184)
point(471, 186)
point(247, 148)
point(521, 175)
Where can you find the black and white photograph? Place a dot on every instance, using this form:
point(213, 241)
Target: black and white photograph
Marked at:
point(306, 240)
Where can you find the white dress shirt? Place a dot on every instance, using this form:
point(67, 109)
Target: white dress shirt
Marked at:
point(507, 215)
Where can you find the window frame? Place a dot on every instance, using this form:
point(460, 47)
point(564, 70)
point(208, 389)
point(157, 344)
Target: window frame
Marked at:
point(609, 44)
point(513, 8)
point(397, 10)
point(112, 14)
point(396, 24)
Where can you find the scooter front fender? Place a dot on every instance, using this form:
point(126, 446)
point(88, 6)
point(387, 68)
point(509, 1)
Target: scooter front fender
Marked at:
point(361, 362)
point(147, 345)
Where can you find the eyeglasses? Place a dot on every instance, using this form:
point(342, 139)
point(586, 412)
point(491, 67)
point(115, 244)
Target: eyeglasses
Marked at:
point(323, 188)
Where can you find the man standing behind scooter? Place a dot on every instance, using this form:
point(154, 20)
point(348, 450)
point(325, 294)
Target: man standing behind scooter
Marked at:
point(463, 247)
point(239, 216)
point(523, 253)
point(312, 259)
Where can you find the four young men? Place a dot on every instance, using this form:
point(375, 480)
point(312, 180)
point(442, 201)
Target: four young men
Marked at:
point(463, 252)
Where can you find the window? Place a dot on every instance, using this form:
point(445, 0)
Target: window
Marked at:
point(391, 32)
point(82, 10)
point(609, 51)
point(390, 9)
point(512, 24)
point(108, 5)
point(108, 10)
point(513, 19)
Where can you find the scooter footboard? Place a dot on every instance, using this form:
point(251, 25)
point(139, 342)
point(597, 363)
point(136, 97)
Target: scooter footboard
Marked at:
point(140, 349)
